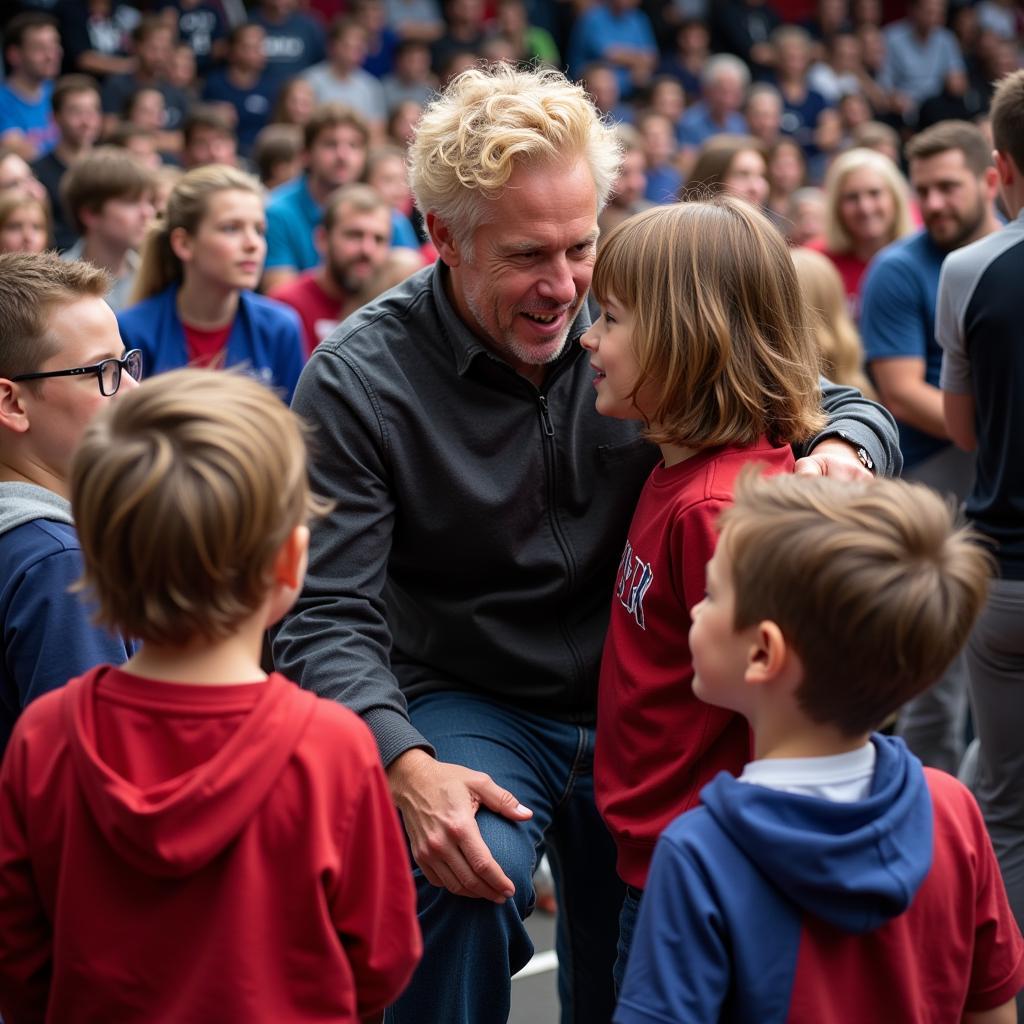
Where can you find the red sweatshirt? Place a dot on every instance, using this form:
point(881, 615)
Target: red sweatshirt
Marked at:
point(657, 744)
point(175, 853)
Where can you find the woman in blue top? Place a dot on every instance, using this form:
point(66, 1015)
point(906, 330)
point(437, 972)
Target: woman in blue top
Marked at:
point(193, 291)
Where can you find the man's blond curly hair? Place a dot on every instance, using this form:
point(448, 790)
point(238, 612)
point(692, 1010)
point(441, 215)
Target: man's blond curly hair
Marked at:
point(489, 121)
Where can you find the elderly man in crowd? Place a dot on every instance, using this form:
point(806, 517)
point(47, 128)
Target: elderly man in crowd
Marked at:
point(458, 594)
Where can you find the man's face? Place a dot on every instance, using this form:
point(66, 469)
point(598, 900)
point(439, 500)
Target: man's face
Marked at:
point(247, 52)
point(80, 119)
point(337, 157)
point(348, 51)
point(59, 409)
point(357, 246)
point(155, 52)
point(724, 93)
point(530, 266)
point(40, 54)
point(953, 200)
point(928, 14)
point(210, 146)
point(122, 223)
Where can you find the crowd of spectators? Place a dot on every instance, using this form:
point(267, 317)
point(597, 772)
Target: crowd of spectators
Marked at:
point(794, 87)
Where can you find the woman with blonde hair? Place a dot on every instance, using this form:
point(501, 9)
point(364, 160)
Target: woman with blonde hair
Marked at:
point(842, 355)
point(865, 210)
point(195, 303)
point(24, 222)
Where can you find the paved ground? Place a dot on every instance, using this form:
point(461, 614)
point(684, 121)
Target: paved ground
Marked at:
point(534, 995)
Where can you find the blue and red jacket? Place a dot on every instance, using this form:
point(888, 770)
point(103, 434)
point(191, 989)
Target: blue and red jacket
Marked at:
point(776, 908)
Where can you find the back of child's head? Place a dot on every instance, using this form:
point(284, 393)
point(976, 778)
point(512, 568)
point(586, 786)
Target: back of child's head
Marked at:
point(183, 492)
point(722, 342)
point(873, 585)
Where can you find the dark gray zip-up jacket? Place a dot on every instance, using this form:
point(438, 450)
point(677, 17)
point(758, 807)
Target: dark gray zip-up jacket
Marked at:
point(479, 520)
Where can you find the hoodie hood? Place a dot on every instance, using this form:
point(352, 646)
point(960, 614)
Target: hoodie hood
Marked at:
point(176, 827)
point(854, 865)
point(22, 503)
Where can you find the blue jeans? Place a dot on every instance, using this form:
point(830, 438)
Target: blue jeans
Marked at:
point(472, 947)
point(627, 926)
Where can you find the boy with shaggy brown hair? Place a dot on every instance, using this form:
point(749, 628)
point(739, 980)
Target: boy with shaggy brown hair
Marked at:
point(835, 879)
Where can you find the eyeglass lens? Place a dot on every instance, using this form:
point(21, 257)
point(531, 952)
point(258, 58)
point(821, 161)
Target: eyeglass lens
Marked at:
point(110, 374)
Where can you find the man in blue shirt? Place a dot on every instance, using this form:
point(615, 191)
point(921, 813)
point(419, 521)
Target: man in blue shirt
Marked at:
point(922, 58)
point(293, 42)
point(33, 54)
point(951, 172)
point(723, 85)
point(617, 34)
point(243, 85)
point(336, 141)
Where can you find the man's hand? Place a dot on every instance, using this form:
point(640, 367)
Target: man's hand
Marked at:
point(834, 458)
point(438, 802)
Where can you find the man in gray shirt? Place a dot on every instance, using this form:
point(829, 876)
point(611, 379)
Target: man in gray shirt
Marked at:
point(458, 594)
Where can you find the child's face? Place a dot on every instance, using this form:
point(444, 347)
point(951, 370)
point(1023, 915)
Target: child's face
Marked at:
point(613, 358)
point(718, 651)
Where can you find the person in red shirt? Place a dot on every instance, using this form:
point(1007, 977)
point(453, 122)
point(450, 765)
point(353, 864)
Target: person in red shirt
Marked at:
point(355, 243)
point(866, 209)
point(187, 838)
point(703, 338)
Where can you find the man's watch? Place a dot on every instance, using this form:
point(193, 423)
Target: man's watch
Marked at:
point(859, 450)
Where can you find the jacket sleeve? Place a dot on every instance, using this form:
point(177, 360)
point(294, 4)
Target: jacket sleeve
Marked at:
point(679, 961)
point(49, 636)
point(26, 940)
point(336, 641)
point(863, 422)
point(374, 908)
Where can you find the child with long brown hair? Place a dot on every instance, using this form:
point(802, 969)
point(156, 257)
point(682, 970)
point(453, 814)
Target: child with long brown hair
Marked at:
point(703, 337)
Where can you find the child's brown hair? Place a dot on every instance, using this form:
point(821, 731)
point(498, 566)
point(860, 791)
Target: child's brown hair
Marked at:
point(184, 491)
point(720, 332)
point(873, 585)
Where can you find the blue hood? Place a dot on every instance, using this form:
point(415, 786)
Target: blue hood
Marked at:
point(854, 865)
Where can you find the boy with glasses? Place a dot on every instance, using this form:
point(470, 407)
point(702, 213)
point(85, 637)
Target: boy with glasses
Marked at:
point(61, 360)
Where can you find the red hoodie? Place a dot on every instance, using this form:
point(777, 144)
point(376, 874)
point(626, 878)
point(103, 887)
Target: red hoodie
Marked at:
point(175, 853)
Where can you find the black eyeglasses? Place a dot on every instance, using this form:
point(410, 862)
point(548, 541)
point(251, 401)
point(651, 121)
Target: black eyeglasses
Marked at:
point(107, 372)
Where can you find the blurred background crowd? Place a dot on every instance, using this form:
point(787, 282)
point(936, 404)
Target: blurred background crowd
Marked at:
point(805, 108)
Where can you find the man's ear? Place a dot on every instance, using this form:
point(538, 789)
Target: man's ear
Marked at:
point(991, 180)
point(767, 655)
point(13, 413)
point(320, 241)
point(444, 241)
point(1004, 167)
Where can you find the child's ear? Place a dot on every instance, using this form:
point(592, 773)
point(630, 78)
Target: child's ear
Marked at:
point(290, 565)
point(767, 655)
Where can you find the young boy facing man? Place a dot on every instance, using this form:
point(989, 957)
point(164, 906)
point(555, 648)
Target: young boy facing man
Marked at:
point(835, 880)
point(186, 838)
